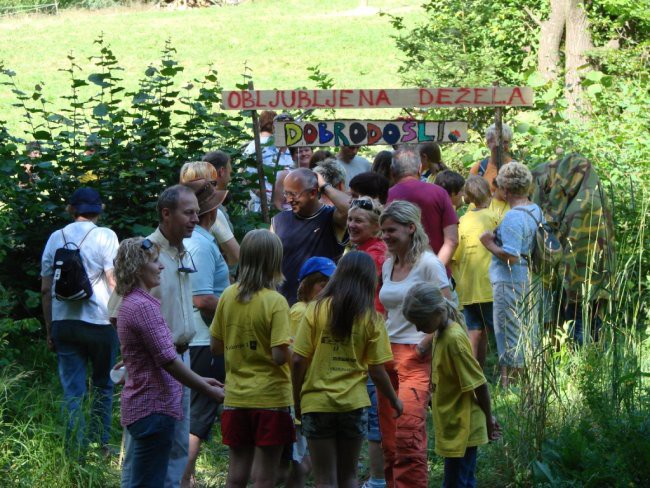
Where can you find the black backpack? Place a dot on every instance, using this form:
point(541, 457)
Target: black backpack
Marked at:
point(71, 281)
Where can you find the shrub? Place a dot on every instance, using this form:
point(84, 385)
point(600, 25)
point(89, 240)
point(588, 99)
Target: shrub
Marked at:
point(140, 138)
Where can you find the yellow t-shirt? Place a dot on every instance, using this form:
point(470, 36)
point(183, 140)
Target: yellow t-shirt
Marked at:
point(499, 208)
point(296, 314)
point(249, 331)
point(458, 420)
point(336, 378)
point(471, 260)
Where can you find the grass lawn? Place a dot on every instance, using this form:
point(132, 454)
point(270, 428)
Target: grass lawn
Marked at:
point(277, 39)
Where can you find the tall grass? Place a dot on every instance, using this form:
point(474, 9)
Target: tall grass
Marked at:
point(579, 416)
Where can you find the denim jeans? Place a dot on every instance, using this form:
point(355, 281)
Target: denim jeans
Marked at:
point(180, 444)
point(76, 343)
point(460, 472)
point(152, 441)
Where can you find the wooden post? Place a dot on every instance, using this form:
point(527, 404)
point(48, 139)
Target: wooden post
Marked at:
point(498, 122)
point(260, 164)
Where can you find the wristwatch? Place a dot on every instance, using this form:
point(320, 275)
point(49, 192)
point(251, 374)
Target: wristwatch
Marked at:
point(323, 188)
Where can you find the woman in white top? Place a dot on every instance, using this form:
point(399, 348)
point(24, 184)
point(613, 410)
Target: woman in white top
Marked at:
point(410, 261)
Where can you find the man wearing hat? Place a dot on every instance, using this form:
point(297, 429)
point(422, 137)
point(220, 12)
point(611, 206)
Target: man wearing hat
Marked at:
point(208, 283)
point(79, 331)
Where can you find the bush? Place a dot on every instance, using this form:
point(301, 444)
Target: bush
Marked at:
point(140, 138)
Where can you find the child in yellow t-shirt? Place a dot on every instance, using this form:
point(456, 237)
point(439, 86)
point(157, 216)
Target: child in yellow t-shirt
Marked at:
point(314, 275)
point(460, 402)
point(340, 340)
point(470, 265)
point(251, 328)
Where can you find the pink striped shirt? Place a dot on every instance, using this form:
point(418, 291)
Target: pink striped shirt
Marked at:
point(146, 345)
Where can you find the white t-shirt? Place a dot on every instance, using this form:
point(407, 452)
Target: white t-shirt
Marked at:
point(353, 168)
point(97, 252)
point(428, 269)
point(269, 155)
point(220, 229)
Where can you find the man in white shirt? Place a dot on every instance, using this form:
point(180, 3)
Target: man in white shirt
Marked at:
point(352, 162)
point(79, 331)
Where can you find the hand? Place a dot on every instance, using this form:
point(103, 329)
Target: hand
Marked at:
point(398, 407)
point(487, 237)
point(118, 365)
point(50, 343)
point(493, 429)
point(213, 382)
point(216, 393)
point(421, 352)
point(321, 180)
point(297, 412)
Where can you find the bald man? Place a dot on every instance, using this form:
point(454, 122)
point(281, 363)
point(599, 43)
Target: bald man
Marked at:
point(310, 228)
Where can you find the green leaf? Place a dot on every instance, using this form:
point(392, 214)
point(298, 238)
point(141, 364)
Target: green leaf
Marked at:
point(536, 80)
point(98, 79)
point(594, 76)
point(594, 89)
point(42, 135)
point(100, 110)
point(542, 470)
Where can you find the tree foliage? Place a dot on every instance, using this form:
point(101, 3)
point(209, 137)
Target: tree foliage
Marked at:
point(141, 139)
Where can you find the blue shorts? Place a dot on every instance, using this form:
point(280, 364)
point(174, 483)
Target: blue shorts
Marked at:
point(478, 316)
point(373, 417)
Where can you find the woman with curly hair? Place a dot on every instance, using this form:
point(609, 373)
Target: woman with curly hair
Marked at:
point(152, 395)
point(515, 329)
point(410, 261)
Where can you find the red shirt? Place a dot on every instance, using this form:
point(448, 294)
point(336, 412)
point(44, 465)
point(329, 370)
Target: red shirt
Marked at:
point(377, 250)
point(435, 204)
point(146, 346)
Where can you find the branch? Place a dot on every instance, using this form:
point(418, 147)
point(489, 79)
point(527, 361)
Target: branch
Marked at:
point(532, 15)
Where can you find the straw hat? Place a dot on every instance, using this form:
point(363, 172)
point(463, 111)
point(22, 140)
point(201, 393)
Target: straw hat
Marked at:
point(209, 198)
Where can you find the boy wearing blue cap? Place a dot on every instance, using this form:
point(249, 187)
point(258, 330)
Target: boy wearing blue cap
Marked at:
point(312, 278)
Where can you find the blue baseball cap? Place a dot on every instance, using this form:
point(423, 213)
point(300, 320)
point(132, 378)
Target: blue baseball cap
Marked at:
point(86, 200)
point(317, 265)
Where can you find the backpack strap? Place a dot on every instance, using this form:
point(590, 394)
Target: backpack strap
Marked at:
point(82, 240)
point(529, 212)
point(482, 167)
point(78, 246)
point(537, 224)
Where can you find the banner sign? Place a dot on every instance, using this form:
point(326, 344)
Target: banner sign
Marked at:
point(367, 132)
point(493, 96)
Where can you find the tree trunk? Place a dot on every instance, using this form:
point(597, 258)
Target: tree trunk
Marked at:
point(550, 37)
point(577, 44)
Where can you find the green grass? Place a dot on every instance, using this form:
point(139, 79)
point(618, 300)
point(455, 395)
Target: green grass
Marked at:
point(277, 40)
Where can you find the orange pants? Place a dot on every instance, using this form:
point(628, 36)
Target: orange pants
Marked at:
point(404, 440)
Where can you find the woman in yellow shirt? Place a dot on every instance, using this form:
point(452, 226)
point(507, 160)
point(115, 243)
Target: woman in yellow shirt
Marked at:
point(341, 339)
point(460, 403)
point(251, 329)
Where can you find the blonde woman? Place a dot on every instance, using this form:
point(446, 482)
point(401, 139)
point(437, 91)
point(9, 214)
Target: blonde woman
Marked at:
point(229, 246)
point(252, 329)
point(152, 395)
point(410, 261)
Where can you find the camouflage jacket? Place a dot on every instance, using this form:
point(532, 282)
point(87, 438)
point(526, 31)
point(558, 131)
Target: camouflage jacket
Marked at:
point(574, 203)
